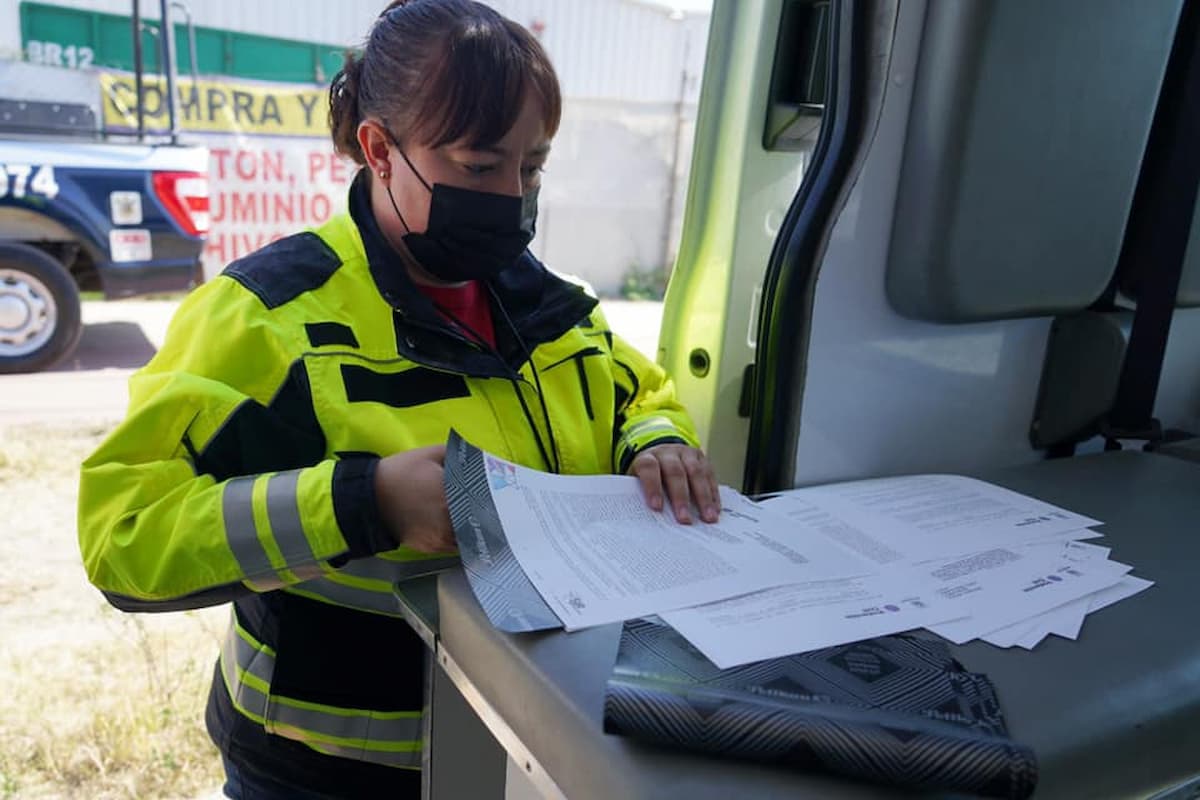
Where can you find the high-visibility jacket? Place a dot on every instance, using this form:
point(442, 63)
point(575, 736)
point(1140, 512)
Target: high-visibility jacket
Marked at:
point(244, 468)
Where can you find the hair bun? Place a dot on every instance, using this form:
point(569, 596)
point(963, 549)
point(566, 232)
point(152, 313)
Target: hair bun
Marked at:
point(442, 71)
point(344, 113)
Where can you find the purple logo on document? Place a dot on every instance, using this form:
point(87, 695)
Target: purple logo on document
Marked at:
point(502, 474)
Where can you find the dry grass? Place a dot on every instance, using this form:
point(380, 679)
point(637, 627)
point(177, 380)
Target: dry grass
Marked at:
point(93, 703)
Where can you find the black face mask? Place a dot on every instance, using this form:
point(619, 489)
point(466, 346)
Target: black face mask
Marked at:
point(471, 235)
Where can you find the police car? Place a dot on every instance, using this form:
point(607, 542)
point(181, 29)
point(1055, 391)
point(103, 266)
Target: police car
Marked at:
point(84, 215)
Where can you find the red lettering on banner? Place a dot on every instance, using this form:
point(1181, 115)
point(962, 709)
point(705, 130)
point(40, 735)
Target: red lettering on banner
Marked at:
point(316, 165)
point(272, 166)
point(214, 247)
point(263, 192)
point(227, 247)
point(327, 167)
point(337, 170)
point(283, 207)
point(246, 165)
point(322, 208)
point(243, 207)
point(250, 165)
point(271, 207)
point(219, 156)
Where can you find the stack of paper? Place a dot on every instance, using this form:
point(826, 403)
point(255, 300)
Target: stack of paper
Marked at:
point(810, 568)
point(545, 551)
point(1066, 620)
point(958, 556)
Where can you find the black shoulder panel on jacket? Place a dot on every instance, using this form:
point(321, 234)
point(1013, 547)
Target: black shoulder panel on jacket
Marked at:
point(282, 435)
point(286, 269)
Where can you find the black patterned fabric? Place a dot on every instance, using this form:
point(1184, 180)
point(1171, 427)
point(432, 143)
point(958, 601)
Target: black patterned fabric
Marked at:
point(896, 710)
point(507, 596)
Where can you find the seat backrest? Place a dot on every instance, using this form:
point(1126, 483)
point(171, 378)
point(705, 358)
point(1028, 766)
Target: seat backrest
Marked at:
point(1023, 154)
point(994, 199)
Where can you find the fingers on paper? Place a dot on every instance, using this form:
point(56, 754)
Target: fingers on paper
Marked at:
point(703, 484)
point(645, 469)
point(682, 476)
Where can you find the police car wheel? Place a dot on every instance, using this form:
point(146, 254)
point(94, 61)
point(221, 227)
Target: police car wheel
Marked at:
point(40, 321)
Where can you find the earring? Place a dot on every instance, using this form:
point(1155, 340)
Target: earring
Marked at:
point(383, 174)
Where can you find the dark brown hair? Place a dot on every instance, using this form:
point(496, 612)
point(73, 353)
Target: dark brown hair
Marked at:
point(441, 71)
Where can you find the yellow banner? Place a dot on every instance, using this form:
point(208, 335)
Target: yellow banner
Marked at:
point(215, 107)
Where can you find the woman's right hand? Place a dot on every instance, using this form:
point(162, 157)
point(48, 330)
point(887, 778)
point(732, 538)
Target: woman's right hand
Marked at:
point(412, 499)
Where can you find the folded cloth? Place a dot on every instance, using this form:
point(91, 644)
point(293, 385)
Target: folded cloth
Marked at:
point(897, 710)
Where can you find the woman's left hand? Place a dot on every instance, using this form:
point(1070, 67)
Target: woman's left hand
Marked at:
point(684, 474)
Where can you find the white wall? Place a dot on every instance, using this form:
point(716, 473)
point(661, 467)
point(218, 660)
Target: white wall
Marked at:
point(606, 191)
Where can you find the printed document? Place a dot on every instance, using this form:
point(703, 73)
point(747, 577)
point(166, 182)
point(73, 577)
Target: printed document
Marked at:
point(1036, 589)
point(1067, 620)
point(958, 598)
point(597, 553)
point(915, 517)
point(807, 569)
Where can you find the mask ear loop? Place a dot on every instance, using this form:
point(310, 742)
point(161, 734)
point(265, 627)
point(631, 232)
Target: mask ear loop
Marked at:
point(388, 187)
point(410, 164)
point(396, 144)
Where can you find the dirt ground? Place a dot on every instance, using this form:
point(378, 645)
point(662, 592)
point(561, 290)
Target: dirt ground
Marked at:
point(95, 703)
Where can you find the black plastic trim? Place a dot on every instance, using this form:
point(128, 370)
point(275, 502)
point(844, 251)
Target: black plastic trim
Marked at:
point(793, 266)
point(1156, 237)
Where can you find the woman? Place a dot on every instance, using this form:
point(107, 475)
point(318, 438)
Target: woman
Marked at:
point(284, 449)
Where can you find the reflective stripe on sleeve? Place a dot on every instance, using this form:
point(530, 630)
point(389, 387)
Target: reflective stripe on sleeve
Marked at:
point(340, 593)
point(639, 434)
point(403, 760)
point(391, 738)
point(287, 532)
point(283, 509)
point(651, 425)
point(237, 507)
point(368, 584)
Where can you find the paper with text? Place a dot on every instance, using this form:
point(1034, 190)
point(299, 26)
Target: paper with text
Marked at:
point(1034, 589)
point(915, 517)
point(952, 595)
point(1067, 619)
point(597, 553)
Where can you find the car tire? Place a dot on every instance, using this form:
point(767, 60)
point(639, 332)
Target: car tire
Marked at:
point(40, 316)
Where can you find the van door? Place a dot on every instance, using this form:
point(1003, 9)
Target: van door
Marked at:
point(760, 114)
point(944, 279)
point(891, 205)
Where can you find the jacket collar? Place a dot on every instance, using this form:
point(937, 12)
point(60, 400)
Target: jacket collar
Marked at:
point(540, 305)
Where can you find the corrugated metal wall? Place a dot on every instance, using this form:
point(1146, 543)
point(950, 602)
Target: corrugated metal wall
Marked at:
point(615, 49)
point(630, 50)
